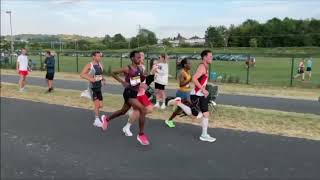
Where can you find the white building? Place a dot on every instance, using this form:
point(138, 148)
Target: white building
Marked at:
point(195, 41)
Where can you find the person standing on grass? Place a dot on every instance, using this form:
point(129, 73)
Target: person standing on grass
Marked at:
point(161, 80)
point(22, 68)
point(309, 67)
point(300, 70)
point(93, 72)
point(134, 75)
point(49, 65)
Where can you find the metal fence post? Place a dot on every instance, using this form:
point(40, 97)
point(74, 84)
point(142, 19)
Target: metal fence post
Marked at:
point(121, 63)
point(41, 64)
point(292, 67)
point(58, 61)
point(177, 66)
point(77, 61)
point(248, 69)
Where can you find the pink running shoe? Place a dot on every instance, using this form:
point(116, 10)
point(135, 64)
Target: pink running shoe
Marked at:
point(143, 139)
point(105, 122)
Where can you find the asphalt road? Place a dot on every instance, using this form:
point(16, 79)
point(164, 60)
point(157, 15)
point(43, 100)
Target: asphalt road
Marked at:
point(41, 141)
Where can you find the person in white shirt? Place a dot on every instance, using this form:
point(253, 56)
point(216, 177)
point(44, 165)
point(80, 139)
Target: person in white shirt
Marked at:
point(22, 68)
point(161, 80)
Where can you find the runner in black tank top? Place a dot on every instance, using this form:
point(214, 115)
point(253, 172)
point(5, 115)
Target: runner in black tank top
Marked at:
point(133, 77)
point(93, 72)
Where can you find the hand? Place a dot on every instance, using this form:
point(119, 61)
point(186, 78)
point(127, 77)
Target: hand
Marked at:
point(104, 82)
point(144, 86)
point(125, 84)
point(18, 71)
point(205, 92)
point(92, 80)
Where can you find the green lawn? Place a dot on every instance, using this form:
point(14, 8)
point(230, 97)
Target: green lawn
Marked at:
point(268, 71)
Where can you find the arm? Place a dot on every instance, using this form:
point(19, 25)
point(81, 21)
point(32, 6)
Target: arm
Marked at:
point(17, 66)
point(115, 73)
point(84, 73)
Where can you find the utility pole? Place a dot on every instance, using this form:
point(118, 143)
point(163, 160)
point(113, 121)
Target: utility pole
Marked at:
point(12, 50)
point(138, 35)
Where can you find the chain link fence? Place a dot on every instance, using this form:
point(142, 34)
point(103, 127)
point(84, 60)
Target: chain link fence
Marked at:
point(268, 70)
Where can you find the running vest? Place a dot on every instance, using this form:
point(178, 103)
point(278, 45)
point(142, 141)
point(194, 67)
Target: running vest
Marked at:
point(134, 77)
point(187, 76)
point(96, 71)
point(203, 80)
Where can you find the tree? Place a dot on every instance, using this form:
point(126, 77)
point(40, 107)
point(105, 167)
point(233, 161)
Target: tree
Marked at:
point(146, 37)
point(253, 42)
point(107, 41)
point(214, 37)
point(166, 42)
point(4, 44)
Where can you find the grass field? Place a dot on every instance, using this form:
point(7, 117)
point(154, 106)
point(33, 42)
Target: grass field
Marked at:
point(268, 71)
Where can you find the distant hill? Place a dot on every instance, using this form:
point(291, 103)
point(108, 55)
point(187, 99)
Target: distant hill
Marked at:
point(47, 37)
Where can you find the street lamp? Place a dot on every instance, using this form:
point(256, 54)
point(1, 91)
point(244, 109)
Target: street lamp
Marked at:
point(9, 12)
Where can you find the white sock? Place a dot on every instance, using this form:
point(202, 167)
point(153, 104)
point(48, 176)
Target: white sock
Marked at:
point(204, 126)
point(128, 125)
point(185, 108)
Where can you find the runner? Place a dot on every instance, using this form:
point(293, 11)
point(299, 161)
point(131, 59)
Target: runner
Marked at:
point(93, 72)
point(199, 96)
point(143, 99)
point(133, 77)
point(184, 89)
point(22, 68)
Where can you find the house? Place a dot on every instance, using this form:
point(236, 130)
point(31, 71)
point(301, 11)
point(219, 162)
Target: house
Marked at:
point(195, 40)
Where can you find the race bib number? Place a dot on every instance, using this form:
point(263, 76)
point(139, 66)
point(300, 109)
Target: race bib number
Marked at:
point(135, 81)
point(98, 77)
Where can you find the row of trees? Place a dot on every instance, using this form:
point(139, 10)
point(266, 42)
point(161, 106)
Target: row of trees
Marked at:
point(274, 33)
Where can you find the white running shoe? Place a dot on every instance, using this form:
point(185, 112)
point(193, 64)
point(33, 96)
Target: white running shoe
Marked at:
point(208, 138)
point(213, 103)
point(163, 106)
point(157, 105)
point(174, 102)
point(21, 90)
point(127, 131)
point(97, 123)
point(200, 115)
point(86, 94)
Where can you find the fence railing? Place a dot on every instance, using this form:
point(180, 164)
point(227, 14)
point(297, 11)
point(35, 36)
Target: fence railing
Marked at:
point(226, 68)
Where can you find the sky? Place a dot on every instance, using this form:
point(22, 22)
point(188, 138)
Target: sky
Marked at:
point(166, 18)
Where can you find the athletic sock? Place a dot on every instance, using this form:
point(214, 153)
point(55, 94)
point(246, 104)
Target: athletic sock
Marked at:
point(204, 126)
point(185, 108)
point(128, 125)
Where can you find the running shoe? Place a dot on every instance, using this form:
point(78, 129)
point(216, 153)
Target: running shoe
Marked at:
point(105, 122)
point(207, 138)
point(170, 123)
point(97, 123)
point(127, 131)
point(143, 139)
